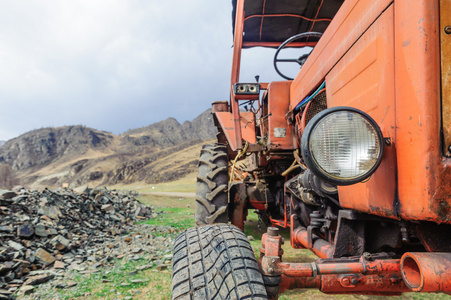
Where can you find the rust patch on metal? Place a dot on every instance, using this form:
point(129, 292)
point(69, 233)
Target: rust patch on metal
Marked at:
point(445, 60)
point(440, 205)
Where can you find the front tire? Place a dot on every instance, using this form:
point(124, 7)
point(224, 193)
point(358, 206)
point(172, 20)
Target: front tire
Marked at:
point(215, 262)
point(211, 188)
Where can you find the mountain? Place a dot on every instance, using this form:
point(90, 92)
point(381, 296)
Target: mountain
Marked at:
point(2, 142)
point(169, 132)
point(41, 147)
point(78, 155)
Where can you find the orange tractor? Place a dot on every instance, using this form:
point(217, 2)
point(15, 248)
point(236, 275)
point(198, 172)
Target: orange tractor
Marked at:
point(352, 155)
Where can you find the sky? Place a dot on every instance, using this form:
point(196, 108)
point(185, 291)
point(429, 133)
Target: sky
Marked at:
point(115, 65)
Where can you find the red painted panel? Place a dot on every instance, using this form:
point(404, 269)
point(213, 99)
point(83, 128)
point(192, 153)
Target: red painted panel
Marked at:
point(364, 79)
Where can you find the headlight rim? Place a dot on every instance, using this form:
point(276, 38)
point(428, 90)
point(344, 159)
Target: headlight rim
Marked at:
point(317, 170)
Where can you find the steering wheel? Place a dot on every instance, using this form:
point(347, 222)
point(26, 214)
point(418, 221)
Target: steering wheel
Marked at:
point(301, 59)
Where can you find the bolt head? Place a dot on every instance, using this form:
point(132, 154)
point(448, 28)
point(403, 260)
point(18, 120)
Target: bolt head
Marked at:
point(345, 281)
point(273, 231)
point(448, 29)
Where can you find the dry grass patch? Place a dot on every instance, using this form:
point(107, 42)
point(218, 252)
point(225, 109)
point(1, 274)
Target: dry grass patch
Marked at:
point(186, 184)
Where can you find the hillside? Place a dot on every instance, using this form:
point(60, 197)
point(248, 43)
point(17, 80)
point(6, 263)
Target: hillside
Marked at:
point(77, 155)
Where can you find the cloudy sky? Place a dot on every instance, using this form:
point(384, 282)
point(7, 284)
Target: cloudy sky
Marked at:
point(114, 65)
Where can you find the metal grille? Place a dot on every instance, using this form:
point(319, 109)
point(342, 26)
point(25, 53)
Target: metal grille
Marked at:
point(318, 104)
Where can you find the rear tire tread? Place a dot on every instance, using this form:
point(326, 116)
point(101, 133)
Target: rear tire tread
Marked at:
point(212, 183)
point(211, 219)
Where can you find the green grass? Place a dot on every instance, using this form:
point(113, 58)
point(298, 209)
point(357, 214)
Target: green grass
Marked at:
point(117, 282)
point(292, 255)
point(165, 201)
point(177, 217)
point(107, 284)
point(306, 256)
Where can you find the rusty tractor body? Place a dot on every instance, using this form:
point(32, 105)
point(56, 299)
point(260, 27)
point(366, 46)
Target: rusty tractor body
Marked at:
point(353, 154)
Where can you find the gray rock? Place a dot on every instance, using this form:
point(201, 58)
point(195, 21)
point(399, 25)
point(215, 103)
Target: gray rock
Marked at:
point(80, 227)
point(5, 292)
point(59, 265)
point(107, 207)
point(52, 231)
point(26, 289)
point(29, 255)
point(7, 229)
point(16, 245)
point(162, 267)
point(96, 265)
point(77, 267)
point(139, 280)
point(89, 225)
point(158, 262)
point(9, 277)
point(168, 257)
point(43, 200)
point(25, 230)
point(6, 195)
point(64, 285)
point(4, 297)
point(44, 257)
point(23, 218)
point(121, 217)
point(52, 212)
point(61, 285)
point(60, 242)
point(38, 279)
point(39, 230)
point(142, 268)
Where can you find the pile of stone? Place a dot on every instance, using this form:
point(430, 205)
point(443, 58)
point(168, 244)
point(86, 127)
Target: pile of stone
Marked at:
point(44, 231)
point(147, 246)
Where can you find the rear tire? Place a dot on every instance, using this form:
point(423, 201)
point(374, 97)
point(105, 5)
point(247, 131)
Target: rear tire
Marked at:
point(211, 188)
point(215, 262)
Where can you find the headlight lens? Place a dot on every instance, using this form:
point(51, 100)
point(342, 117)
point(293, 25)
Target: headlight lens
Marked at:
point(342, 145)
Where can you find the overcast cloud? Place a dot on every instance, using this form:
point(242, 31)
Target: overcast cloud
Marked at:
point(112, 65)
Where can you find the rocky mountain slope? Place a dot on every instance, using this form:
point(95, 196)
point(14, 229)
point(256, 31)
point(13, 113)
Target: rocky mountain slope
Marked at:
point(40, 147)
point(77, 155)
point(169, 133)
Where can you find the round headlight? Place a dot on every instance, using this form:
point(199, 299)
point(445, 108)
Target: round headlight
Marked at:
point(342, 145)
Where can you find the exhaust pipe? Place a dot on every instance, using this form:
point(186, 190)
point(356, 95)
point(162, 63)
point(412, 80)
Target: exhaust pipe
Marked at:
point(320, 247)
point(427, 272)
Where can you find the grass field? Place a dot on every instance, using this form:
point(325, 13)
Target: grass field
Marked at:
point(184, 185)
point(123, 282)
point(180, 216)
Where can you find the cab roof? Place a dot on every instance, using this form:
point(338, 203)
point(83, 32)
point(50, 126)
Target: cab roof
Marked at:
point(277, 20)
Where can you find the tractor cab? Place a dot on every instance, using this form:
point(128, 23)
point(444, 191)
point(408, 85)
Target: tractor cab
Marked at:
point(271, 24)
